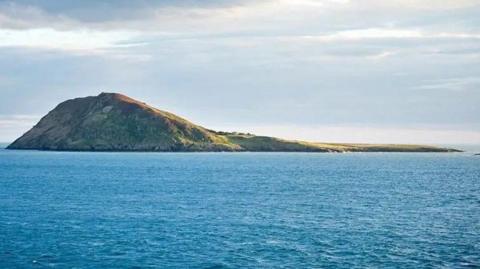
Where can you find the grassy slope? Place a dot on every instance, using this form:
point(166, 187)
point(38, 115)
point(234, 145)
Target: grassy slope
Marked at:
point(113, 122)
point(261, 143)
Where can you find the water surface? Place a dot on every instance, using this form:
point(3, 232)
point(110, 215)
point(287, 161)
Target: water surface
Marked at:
point(239, 210)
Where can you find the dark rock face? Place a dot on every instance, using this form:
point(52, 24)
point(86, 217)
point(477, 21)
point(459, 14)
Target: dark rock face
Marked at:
point(115, 122)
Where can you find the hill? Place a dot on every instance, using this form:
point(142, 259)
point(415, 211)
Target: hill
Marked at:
point(115, 122)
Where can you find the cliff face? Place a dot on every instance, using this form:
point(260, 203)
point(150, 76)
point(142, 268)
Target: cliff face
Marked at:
point(115, 122)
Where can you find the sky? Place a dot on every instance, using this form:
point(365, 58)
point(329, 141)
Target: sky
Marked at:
point(398, 71)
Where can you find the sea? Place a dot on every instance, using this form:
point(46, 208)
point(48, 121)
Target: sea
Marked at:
point(239, 210)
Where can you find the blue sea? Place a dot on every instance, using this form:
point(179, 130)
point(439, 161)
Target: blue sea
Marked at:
point(239, 210)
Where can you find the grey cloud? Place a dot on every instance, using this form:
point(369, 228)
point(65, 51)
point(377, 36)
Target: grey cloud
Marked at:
point(92, 13)
point(260, 16)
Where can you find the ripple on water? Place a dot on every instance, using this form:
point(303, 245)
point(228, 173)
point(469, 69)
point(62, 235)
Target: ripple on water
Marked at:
point(251, 210)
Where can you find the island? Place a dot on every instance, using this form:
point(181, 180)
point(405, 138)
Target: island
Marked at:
point(115, 122)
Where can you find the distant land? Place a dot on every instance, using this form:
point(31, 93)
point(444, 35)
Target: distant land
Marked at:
point(115, 122)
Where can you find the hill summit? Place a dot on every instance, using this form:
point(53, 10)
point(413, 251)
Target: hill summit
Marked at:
point(115, 122)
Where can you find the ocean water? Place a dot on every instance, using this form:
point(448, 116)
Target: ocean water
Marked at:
point(239, 210)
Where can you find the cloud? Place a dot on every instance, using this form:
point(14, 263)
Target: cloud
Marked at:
point(25, 14)
point(78, 40)
point(389, 33)
point(18, 120)
point(236, 15)
point(267, 62)
point(452, 84)
point(374, 43)
point(13, 126)
point(422, 5)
